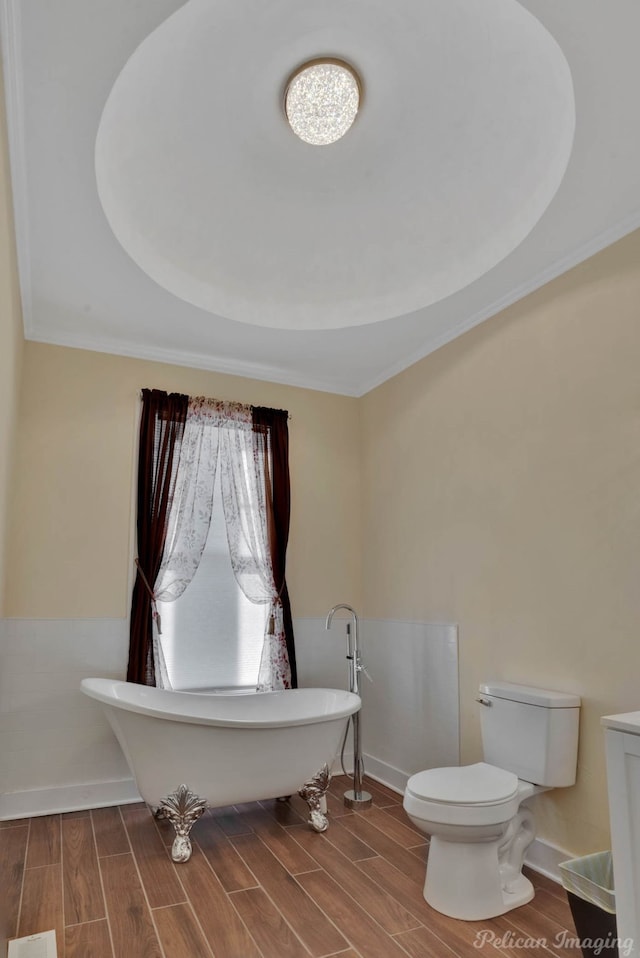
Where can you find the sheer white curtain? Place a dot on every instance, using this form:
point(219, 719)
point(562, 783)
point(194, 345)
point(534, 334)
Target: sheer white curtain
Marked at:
point(217, 431)
point(244, 474)
point(188, 520)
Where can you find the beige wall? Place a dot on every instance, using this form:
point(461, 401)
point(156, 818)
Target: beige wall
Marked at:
point(11, 341)
point(502, 491)
point(72, 512)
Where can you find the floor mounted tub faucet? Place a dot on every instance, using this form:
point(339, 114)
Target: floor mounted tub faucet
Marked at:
point(355, 797)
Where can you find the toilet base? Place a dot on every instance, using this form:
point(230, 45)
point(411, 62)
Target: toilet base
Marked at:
point(469, 881)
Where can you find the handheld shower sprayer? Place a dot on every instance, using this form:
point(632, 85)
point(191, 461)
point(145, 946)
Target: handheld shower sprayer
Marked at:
point(356, 797)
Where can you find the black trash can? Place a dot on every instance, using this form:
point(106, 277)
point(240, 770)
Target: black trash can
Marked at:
point(588, 882)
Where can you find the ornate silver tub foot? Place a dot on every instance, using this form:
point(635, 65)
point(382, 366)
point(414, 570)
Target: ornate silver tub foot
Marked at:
point(183, 809)
point(313, 792)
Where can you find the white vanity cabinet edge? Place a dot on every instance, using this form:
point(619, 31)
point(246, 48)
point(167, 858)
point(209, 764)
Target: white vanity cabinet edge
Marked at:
point(623, 783)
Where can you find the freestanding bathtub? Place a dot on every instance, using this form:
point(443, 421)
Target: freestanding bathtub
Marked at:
point(187, 750)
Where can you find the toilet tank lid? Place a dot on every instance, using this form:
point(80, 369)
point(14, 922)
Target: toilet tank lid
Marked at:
point(529, 695)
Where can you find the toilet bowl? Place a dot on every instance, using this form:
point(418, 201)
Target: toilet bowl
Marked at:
point(480, 832)
point(477, 816)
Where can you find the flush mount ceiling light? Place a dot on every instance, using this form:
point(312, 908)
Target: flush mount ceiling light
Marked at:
point(464, 141)
point(322, 100)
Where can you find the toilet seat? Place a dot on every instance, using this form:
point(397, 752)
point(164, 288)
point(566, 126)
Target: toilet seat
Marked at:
point(479, 794)
point(479, 784)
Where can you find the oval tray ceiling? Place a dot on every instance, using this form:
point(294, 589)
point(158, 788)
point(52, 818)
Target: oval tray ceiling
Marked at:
point(463, 137)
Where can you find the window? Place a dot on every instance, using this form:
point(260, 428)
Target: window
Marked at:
point(194, 454)
point(212, 636)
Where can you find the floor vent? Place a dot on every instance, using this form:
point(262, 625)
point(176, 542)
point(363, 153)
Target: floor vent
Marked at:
point(42, 945)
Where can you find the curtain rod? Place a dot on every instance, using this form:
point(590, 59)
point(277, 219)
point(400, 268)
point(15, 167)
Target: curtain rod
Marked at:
point(289, 416)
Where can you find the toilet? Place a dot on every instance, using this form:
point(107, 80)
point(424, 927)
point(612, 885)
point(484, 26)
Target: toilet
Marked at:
point(476, 815)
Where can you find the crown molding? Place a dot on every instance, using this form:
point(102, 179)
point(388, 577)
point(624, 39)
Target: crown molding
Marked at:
point(229, 367)
point(553, 271)
point(286, 377)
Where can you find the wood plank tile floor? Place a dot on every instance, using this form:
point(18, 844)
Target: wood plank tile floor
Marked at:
point(260, 884)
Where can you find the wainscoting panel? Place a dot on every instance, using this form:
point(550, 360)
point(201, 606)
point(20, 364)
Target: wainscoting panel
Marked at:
point(58, 751)
point(410, 711)
point(411, 707)
point(59, 754)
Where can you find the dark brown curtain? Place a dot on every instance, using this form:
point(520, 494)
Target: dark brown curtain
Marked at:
point(272, 425)
point(161, 430)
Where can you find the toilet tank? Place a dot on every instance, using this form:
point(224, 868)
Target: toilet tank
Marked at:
point(531, 732)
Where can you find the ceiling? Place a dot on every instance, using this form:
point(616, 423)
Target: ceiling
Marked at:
point(80, 288)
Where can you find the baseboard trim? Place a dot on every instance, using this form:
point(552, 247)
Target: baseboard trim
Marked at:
point(386, 774)
point(545, 858)
point(67, 798)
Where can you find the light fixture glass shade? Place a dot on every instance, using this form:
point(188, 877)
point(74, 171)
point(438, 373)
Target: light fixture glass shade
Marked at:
point(322, 100)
